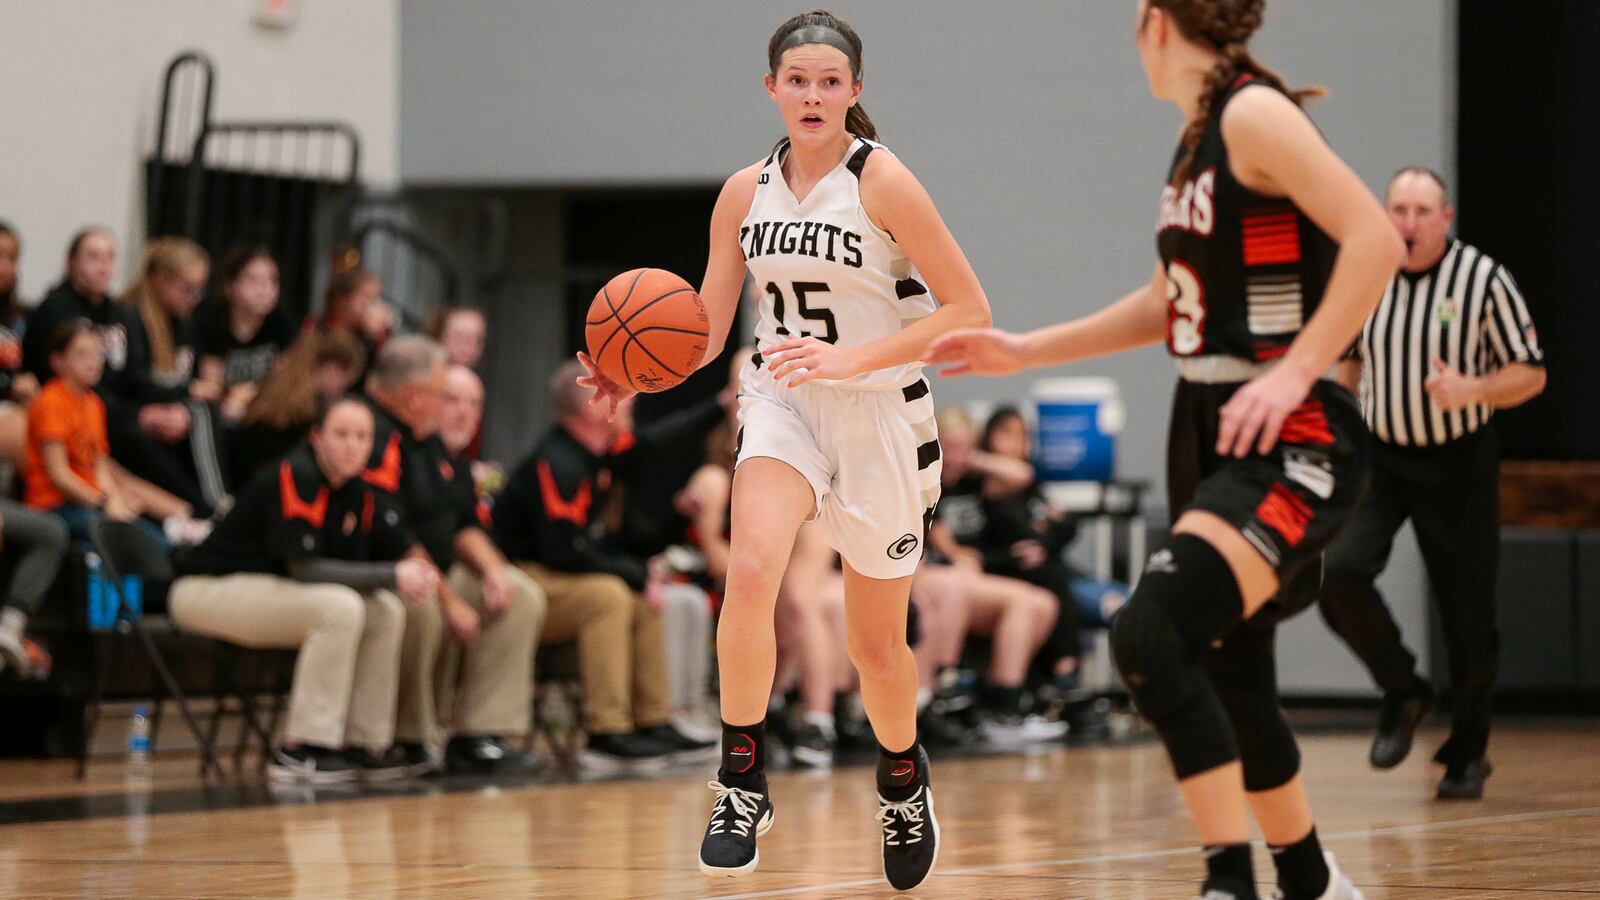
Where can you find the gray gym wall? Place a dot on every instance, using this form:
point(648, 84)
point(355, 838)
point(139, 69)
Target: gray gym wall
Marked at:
point(1028, 120)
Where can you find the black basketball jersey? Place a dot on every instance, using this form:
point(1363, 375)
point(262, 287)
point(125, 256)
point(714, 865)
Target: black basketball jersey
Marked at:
point(1244, 271)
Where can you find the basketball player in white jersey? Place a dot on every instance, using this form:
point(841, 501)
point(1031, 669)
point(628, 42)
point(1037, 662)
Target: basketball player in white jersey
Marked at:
point(836, 420)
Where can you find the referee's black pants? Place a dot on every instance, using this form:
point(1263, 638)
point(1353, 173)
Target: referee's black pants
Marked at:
point(1452, 501)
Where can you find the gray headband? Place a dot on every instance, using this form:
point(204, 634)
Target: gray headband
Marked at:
point(817, 34)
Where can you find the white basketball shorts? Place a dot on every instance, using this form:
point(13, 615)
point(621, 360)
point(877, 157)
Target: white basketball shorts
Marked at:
point(871, 456)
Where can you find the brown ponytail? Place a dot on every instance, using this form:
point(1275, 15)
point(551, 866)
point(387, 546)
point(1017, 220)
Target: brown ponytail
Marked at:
point(1226, 26)
point(856, 121)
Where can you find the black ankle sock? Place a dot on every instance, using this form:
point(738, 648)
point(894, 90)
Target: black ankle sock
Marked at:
point(1302, 870)
point(1231, 861)
point(744, 754)
point(900, 774)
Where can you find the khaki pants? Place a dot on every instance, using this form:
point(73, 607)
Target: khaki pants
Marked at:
point(621, 648)
point(484, 689)
point(344, 679)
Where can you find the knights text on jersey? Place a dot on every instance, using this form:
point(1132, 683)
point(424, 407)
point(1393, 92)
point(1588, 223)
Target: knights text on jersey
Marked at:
point(1244, 271)
point(825, 270)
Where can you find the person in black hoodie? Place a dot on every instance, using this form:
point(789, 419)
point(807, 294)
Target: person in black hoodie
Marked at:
point(84, 292)
point(160, 430)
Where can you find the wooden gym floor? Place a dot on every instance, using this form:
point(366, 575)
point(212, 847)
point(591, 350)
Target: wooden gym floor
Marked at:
point(1099, 822)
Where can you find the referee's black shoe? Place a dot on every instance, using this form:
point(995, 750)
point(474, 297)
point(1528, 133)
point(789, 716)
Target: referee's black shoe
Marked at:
point(1397, 725)
point(1464, 781)
point(905, 810)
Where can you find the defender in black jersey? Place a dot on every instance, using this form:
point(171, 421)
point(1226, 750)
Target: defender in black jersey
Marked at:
point(1267, 456)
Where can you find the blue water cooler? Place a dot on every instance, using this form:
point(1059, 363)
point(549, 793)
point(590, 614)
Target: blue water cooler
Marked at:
point(1078, 423)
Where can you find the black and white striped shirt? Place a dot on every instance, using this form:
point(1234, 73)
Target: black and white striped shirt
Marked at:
point(1466, 311)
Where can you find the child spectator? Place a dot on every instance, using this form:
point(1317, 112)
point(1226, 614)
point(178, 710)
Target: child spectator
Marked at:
point(242, 333)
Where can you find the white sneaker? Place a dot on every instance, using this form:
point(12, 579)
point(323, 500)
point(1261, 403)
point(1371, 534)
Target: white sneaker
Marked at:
point(1029, 730)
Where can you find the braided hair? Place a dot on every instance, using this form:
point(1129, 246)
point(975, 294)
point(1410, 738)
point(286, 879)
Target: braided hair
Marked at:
point(1226, 26)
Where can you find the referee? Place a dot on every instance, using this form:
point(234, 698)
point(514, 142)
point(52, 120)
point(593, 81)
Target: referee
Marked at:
point(1450, 343)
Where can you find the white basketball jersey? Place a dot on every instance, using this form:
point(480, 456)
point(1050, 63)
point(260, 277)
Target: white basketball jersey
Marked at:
point(825, 270)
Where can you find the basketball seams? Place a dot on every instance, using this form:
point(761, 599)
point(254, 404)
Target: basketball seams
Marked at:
point(606, 292)
point(632, 337)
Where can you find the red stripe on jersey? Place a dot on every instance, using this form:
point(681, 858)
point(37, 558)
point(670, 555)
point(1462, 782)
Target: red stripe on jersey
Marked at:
point(386, 475)
point(1308, 424)
point(1285, 513)
point(1271, 239)
point(366, 513)
point(1265, 353)
point(296, 508)
point(575, 510)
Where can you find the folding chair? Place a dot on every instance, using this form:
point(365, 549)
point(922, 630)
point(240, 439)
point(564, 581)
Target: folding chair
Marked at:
point(125, 550)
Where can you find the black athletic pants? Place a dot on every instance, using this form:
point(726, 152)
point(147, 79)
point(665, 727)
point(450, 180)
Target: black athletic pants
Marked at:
point(1451, 496)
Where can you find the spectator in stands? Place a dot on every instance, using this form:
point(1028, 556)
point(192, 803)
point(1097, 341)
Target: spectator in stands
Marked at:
point(353, 303)
point(1027, 517)
point(957, 599)
point(84, 292)
point(462, 331)
point(313, 558)
point(68, 452)
point(478, 681)
point(460, 425)
point(16, 384)
point(242, 333)
point(318, 366)
point(607, 599)
point(160, 430)
point(976, 481)
point(32, 545)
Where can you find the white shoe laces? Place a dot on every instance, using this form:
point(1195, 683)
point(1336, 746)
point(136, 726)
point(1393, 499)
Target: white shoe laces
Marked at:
point(908, 811)
point(744, 804)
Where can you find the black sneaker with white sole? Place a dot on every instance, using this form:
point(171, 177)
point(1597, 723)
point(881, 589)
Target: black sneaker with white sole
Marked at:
point(905, 811)
point(683, 747)
point(632, 750)
point(738, 817)
point(308, 764)
point(813, 747)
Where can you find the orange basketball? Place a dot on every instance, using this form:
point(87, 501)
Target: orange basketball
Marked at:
point(647, 329)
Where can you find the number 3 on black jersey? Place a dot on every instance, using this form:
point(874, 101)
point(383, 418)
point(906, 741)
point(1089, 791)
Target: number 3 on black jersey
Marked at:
point(823, 314)
point(1186, 313)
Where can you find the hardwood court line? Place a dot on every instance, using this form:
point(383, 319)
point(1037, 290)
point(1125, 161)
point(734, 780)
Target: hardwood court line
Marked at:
point(1156, 854)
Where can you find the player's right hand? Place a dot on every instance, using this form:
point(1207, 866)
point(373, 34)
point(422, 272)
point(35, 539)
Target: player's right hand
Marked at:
point(977, 351)
point(603, 387)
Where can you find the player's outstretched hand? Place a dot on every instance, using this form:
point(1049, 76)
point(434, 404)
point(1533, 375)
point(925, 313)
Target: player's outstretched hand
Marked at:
point(604, 388)
point(1254, 415)
point(977, 351)
point(806, 359)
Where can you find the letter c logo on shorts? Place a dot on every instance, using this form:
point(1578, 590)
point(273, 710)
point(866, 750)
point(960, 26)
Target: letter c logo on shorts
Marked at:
point(902, 548)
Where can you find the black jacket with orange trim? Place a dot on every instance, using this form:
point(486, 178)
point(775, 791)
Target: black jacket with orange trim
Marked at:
point(290, 514)
point(549, 512)
point(433, 486)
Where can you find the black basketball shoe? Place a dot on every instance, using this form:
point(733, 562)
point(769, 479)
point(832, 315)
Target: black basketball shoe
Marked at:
point(905, 810)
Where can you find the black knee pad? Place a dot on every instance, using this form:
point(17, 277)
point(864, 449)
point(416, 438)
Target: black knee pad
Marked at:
point(1185, 600)
point(1244, 674)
